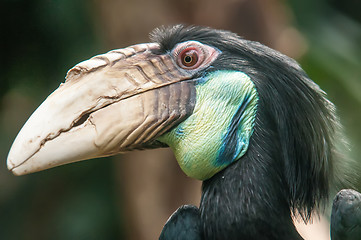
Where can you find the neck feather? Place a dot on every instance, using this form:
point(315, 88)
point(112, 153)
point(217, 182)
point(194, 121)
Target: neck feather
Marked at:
point(247, 200)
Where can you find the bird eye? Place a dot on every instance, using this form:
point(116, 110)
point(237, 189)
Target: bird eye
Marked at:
point(189, 57)
point(193, 55)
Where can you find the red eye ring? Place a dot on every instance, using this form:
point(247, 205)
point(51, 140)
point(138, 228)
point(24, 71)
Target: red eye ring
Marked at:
point(193, 55)
point(189, 58)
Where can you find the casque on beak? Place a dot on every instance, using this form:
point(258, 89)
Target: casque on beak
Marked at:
point(111, 103)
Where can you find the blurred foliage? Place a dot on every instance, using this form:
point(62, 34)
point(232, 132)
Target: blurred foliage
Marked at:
point(333, 31)
point(42, 39)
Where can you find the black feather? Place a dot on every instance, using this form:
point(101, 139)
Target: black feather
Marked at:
point(346, 215)
point(290, 164)
point(184, 224)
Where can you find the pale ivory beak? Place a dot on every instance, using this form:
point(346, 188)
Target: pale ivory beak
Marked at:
point(111, 103)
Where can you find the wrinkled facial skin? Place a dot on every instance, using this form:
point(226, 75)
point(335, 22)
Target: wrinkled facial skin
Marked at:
point(219, 130)
point(115, 102)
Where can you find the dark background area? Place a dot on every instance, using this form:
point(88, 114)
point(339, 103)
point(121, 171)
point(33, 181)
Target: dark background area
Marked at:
point(131, 196)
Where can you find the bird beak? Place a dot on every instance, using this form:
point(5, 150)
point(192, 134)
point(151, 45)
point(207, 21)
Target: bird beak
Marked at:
point(111, 103)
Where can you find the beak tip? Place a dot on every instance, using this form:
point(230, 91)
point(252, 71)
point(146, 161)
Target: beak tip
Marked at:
point(13, 168)
point(16, 170)
point(10, 165)
point(13, 171)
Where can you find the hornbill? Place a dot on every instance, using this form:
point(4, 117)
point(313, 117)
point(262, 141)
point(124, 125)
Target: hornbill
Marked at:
point(240, 116)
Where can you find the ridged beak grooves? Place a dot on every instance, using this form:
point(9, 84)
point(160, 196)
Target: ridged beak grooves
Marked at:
point(111, 103)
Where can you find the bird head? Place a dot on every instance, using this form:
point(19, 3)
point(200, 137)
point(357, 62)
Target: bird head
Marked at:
point(202, 92)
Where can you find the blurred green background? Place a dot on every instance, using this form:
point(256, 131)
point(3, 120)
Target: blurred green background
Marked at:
point(42, 39)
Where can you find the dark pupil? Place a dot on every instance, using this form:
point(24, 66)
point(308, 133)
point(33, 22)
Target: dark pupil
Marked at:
point(188, 59)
